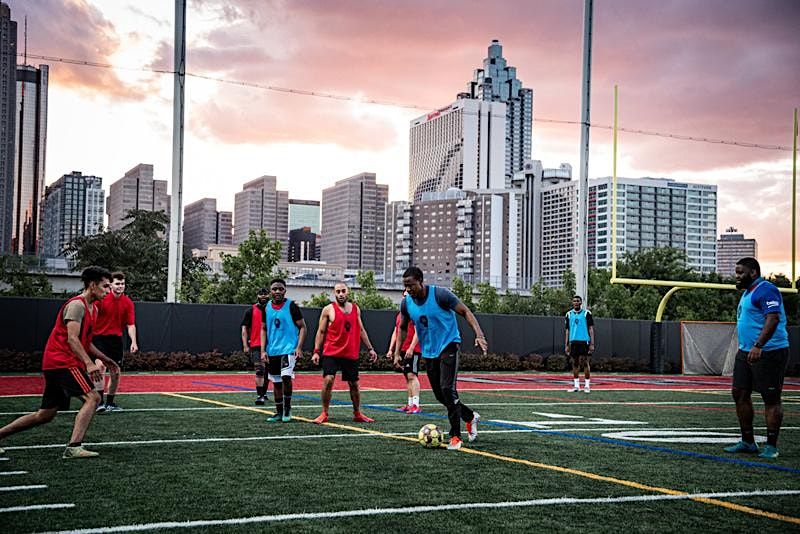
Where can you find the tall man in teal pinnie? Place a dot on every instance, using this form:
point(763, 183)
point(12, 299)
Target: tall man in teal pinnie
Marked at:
point(282, 336)
point(579, 341)
point(762, 357)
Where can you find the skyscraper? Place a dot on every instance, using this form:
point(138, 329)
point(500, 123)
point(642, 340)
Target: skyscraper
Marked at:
point(304, 213)
point(461, 145)
point(203, 225)
point(8, 96)
point(497, 82)
point(29, 157)
point(261, 206)
point(353, 215)
point(73, 207)
point(137, 190)
point(731, 247)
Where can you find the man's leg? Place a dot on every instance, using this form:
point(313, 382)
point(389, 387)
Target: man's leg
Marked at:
point(773, 413)
point(40, 417)
point(83, 418)
point(413, 392)
point(575, 360)
point(355, 396)
point(586, 361)
point(325, 395)
point(286, 386)
point(113, 384)
point(455, 410)
point(433, 369)
point(744, 411)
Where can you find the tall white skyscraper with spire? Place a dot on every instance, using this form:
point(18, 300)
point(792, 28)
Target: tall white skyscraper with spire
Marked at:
point(498, 82)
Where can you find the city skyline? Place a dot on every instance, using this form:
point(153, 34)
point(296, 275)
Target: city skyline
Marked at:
point(711, 70)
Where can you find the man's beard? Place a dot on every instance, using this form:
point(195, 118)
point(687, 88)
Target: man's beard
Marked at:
point(744, 283)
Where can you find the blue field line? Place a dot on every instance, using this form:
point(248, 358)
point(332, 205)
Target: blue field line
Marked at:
point(599, 439)
point(224, 386)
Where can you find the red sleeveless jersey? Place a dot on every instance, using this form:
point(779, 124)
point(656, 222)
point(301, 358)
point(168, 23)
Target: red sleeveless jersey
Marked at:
point(343, 338)
point(256, 322)
point(409, 336)
point(57, 353)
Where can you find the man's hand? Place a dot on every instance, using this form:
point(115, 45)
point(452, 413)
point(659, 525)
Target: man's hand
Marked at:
point(134, 347)
point(754, 355)
point(481, 342)
point(315, 359)
point(373, 356)
point(390, 354)
point(591, 348)
point(409, 353)
point(566, 350)
point(298, 353)
point(246, 349)
point(94, 372)
point(397, 361)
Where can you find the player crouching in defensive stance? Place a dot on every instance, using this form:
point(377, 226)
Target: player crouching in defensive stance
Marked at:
point(282, 337)
point(341, 328)
point(433, 311)
point(69, 370)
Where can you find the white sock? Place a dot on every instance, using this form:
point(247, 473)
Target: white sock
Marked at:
point(577, 383)
point(587, 383)
point(410, 401)
point(415, 400)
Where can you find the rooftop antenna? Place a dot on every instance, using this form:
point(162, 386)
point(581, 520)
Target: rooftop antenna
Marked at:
point(25, 47)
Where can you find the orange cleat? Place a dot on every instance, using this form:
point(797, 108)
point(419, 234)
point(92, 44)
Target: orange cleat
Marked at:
point(455, 444)
point(413, 409)
point(322, 418)
point(361, 418)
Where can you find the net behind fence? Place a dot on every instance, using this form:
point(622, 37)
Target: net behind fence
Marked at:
point(708, 348)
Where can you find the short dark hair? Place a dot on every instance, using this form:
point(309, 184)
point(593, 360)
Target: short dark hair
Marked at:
point(117, 275)
point(94, 273)
point(750, 263)
point(263, 291)
point(277, 281)
point(578, 297)
point(413, 272)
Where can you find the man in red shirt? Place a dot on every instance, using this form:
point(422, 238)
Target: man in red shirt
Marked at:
point(410, 352)
point(116, 314)
point(341, 328)
point(69, 370)
point(251, 325)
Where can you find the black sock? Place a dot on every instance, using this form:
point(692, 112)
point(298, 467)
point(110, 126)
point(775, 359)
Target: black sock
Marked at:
point(279, 408)
point(772, 437)
point(101, 398)
point(75, 444)
point(287, 403)
point(748, 436)
point(260, 390)
point(110, 398)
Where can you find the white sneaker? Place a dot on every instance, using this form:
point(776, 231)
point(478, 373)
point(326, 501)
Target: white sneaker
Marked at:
point(573, 390)
point(587, 390)
point(78, 452)
point(472, 427)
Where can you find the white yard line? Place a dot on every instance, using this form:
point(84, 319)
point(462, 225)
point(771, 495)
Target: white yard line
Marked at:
point(9, 473)
point(23, 488)
point(205, 523)
point(37, 507)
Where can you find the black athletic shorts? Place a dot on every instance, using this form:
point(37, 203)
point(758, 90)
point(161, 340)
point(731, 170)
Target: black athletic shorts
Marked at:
point(255, 356)
point(348, 367)
point(764, 375)
point(410, 365)
point(578, 349)
point(60, 385)
point(111, 346)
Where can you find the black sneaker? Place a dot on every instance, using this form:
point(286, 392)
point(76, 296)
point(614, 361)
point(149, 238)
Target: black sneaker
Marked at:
point(260, 401)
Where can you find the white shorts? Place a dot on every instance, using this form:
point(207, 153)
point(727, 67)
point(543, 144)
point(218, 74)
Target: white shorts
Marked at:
point(280, 366)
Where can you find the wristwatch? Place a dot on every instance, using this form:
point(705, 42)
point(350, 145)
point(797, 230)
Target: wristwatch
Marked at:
point(758, 345)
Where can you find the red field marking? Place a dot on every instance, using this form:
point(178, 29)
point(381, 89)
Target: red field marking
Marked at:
point(177, 383)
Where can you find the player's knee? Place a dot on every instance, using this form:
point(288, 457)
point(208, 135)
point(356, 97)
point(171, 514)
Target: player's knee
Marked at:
point(771, 398)
point(44, 416)
point(259, 371)
point(740, 395)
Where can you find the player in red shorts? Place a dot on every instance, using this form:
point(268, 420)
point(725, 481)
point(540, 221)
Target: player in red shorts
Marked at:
point(69, 370)
point(341, 328)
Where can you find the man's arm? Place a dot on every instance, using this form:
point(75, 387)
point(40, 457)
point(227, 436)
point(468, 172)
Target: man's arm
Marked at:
point(245, 339)
point(365, 338)
point(590, 324)
point(263, 342)
point(390, 352)
point(414, 342)
point(480, 339)
point(112, 366)
point(74, 342)
point(320, 337)
point(301, 337)
point(131, 324)
point(566, 334)
point(132, 335)
point(402, 332)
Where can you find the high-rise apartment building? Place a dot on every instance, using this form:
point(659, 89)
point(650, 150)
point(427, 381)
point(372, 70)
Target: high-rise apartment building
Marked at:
point(203, 225)
point(353, 218)
point(731, 247)
point(497, 82)
point(398, 241)
point(8, 97)
point(137, 190)
point(73, 207)
point(261, 206)
point(459, 146)
point(29, 157)
point(304, 213)
point(302, 245)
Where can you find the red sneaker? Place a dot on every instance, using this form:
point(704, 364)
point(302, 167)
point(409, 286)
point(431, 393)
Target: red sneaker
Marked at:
point(413, 409)
point(404, 408)
point(361, 418)
point(322, 418)
point(455, 444)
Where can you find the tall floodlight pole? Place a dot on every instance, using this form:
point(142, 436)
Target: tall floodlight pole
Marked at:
point(582, 254)
point(176, 205)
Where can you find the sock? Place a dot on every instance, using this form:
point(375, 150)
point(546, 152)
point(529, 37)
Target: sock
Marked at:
point(279, 408)
point(748, 437)
point(260, 390)
point(415, 400)
point(110, 398)
point(577, 382)
point(587, 383)
point(287, 404)
point(410, 401)
point(101, 398)
point(75, 444)
point(772, 437)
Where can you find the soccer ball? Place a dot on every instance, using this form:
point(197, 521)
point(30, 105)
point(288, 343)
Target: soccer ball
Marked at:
point(430, 436)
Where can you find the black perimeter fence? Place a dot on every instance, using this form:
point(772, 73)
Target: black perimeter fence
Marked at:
point(198, 328)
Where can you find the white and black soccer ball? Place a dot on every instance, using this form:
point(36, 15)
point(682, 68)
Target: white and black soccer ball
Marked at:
point(430, 436)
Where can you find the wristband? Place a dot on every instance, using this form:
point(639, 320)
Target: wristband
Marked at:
point(316, 351)
point(758, 345)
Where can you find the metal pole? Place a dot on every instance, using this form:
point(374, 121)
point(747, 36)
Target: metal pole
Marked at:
point(582, 254)
point(614, 195)
point(794, 202)
point(176, 205)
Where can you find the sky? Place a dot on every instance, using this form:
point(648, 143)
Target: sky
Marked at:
point(717, 69)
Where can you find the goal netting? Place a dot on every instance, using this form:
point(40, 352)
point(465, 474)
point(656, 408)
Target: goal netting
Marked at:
point(708, 348)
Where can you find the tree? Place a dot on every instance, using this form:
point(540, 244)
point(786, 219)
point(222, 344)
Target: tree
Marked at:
point(247, 272)
point(368, 297)
point(14, 271)
point(488, 301)
point(318, 301)
point(463, 291)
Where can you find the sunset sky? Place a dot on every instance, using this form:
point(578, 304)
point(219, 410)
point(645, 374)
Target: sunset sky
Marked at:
point(723, 69)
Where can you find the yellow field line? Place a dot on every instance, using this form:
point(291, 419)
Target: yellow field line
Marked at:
point(549, 467)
